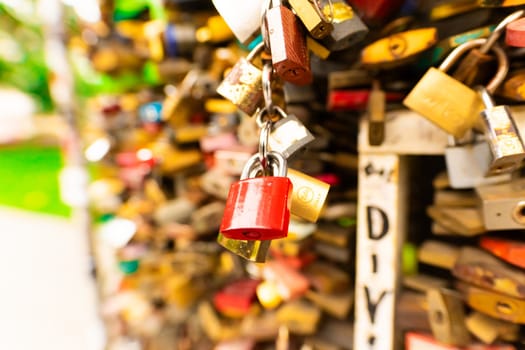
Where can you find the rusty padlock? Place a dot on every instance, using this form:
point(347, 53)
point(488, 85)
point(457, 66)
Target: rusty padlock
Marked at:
point(259, 208)
point(243, 84)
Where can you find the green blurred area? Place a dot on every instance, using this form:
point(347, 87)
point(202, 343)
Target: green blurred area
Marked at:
point(29, 178)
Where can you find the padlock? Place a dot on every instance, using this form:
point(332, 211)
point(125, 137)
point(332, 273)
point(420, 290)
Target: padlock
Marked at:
point(479, 268)
point(259, 208)
point(348, 27)
point(502, 205)
point(243, 84)
point(288, 134)
point(287, 44)
point(237, 298)
point(467, 164)
point(397, 48)
point(513, 252)
point(312, 17)
point(446, 102)
point(447, 317)
point(308, 196)
point(497, 305)
point(243, 18)
point(488, 329)
point(515, 33)
point(506, 144)
point(250, 250)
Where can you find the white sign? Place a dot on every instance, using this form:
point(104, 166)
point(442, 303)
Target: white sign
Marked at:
point(380, 230)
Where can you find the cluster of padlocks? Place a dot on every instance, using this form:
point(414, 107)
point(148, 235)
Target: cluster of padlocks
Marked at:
point(225, 190)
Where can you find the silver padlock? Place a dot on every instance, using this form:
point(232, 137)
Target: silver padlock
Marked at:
point(288, 135)
point(502, 135)
point(348, 27)
point(468, 163)
point(243, 17)
point(503, 205)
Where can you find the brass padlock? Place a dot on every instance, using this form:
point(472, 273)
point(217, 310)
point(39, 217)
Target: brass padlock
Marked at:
point(446, 102)
point(447, 317)
point(243, 84)
point(255, 251)
point(312, 17)
point(503, 136)
point(308, 195)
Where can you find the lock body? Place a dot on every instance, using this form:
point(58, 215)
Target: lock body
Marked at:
point(497, 305)
point(348, 27)
point(287, 41)
point(289, 136)
point(446, 102)
point(446, 316)
point(504, 140)
point(503, 205)
point(243, 86)
point(308, 195)
point(258, 209)
point(316, 26)
point(467, 164)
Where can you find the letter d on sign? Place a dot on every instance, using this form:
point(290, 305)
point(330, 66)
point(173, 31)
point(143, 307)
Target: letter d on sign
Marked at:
point(373, 214)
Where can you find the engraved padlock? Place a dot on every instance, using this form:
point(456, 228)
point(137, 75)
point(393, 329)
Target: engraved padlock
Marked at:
point(451, 105)
point(506, 144)
point(259, 208)
point(243, 84)
point(287, 43)
point(312, 17)
point(348, 27)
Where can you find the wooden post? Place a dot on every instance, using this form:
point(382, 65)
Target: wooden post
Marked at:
point(381, 216)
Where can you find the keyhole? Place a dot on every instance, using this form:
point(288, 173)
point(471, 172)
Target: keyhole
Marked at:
point(518, 214)
point(438, 317)
point(251, 234)
point(504, 308)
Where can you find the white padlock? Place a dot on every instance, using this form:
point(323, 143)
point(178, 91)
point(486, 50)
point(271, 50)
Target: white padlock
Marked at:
point(468, 163)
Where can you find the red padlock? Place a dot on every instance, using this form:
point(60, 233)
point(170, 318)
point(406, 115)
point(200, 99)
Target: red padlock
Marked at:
point(515, 33)
point(258, 208)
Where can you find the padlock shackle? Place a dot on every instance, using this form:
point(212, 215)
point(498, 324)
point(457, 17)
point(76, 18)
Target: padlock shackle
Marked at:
point(500, 28)
point(263, 111)
point(488, 102)
point(278, 164)
point(264, 140)
point(255, 51)
point(267, 73)
point(503, 61)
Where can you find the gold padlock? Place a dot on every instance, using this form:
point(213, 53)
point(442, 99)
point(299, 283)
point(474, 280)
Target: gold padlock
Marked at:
point(255, 251)
point(243, 84)
point(446, 102)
